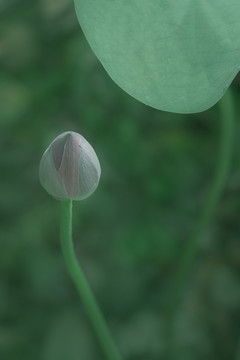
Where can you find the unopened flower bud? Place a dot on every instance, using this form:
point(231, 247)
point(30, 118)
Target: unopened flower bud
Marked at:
point(69, 168)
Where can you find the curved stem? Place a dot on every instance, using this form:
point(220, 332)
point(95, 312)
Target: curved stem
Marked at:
point(226, 109)
point(89, 302)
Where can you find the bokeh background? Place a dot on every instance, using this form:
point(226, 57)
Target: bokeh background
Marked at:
point(157, 169)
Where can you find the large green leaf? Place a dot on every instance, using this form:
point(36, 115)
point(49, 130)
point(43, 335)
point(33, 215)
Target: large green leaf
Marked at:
point(174, 55)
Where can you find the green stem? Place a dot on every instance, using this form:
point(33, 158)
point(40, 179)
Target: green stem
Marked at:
point(89, 302)
point(226, 109)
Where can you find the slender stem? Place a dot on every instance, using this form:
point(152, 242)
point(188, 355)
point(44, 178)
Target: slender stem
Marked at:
point(89, 302)
point(226, 109)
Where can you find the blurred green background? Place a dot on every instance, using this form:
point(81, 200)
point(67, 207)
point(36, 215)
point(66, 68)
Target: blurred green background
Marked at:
point(157, 168)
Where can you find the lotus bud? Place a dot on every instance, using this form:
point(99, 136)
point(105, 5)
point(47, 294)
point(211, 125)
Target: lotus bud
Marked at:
point(69, 168)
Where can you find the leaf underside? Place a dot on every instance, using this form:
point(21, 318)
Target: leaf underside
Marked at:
point(177, 56)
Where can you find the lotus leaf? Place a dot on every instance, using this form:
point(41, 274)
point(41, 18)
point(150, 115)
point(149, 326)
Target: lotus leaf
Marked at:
point(173, 55)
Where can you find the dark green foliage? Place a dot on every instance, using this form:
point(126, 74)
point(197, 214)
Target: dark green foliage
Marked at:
point(156, 171)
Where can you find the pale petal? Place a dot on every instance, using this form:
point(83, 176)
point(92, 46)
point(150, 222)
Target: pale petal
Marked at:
point(49, 177)
point(89, 170)
point(57, 148)
point(69, 169)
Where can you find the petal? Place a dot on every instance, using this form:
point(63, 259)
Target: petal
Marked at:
point(49, 177)
point(89, 170)
point(57, 148)
point(69, 167)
